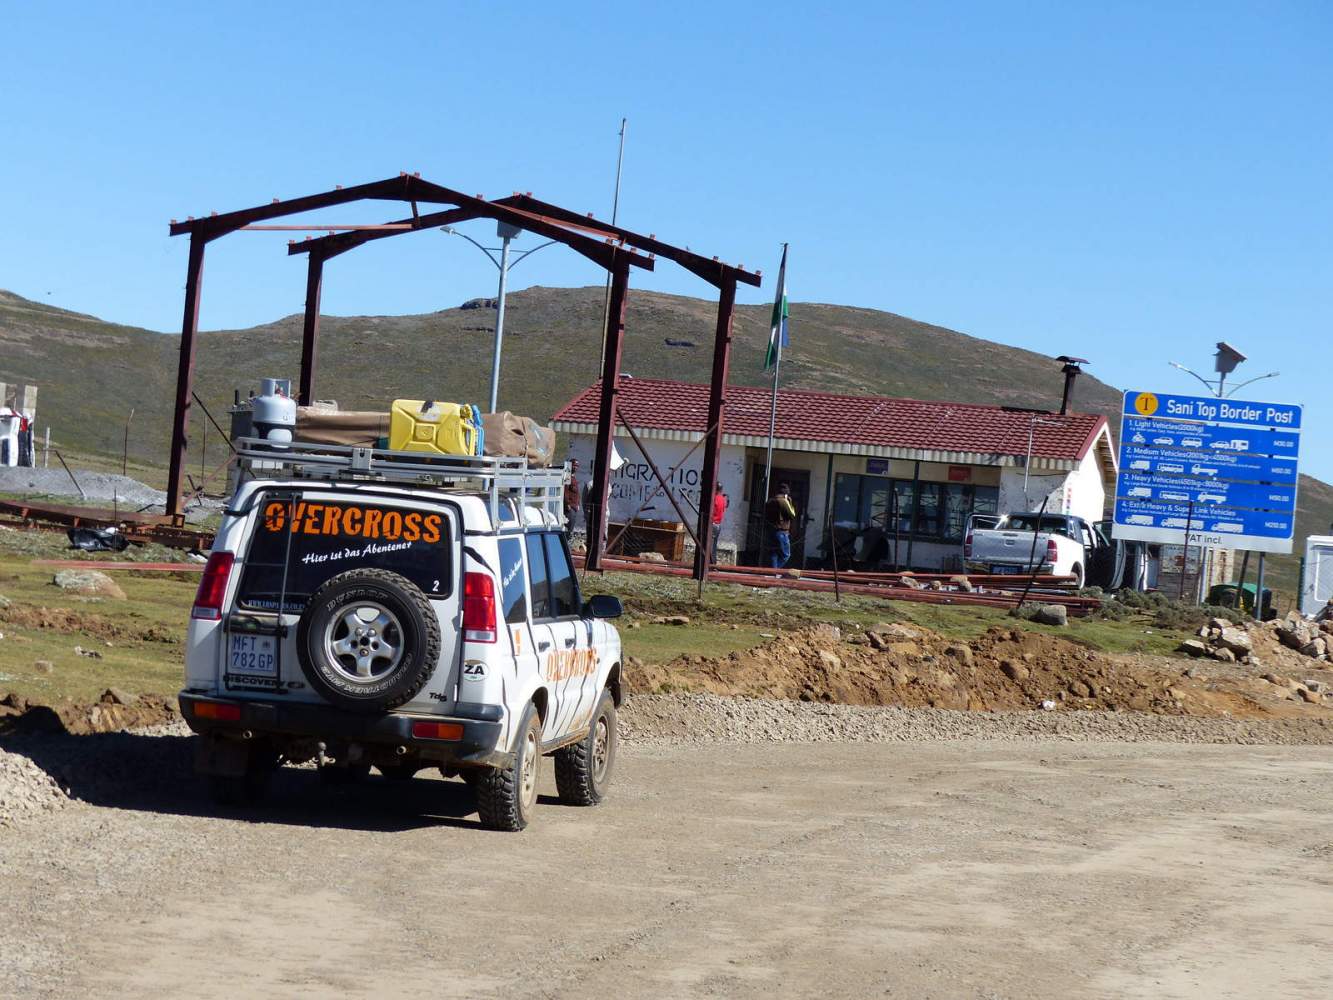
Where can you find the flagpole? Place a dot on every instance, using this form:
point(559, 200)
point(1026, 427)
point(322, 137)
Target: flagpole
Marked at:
point(777, 367)
point(772, 426)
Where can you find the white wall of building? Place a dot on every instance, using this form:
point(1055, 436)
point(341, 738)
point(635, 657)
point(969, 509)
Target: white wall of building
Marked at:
point(1080, 492)
point(634, 481)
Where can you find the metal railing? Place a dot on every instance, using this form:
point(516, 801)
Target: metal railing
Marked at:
point(499, 479)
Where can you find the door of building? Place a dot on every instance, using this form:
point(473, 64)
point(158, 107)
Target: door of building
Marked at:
point(756, 537)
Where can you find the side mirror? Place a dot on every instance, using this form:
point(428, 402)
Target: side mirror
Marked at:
point(603, 606)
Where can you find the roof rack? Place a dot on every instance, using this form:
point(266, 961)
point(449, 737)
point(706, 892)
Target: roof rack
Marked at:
point(496, 478)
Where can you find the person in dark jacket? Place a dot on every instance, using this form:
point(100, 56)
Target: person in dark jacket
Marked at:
point(572, 494)
point(779, 515)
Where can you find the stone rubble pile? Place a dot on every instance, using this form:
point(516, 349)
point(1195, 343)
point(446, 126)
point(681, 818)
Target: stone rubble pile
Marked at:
point(1224, 641)
point(26, 790)
point(1309, 638)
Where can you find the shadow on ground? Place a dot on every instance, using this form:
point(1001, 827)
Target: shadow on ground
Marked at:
point(155, 773)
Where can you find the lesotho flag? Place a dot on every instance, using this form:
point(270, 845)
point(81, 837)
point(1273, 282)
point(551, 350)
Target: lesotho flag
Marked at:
point(777, 330)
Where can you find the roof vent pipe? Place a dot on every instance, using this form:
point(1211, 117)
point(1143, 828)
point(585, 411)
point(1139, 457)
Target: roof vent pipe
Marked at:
point(1072, 371)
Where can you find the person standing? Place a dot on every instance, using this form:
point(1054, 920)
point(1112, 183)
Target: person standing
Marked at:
point(572, 493)
point(720, 501)
point(780, 514)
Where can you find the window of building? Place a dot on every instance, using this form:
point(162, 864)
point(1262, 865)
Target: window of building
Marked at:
point(925, 511)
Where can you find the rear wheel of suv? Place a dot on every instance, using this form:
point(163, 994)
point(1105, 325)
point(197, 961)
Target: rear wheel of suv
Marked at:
point(507, 796)
point(368, 641)
point(583, 769)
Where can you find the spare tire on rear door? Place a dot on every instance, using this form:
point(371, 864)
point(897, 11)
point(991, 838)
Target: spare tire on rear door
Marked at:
point(368, 640)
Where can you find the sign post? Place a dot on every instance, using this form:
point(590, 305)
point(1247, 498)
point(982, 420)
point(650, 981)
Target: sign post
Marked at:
point(1222, 471)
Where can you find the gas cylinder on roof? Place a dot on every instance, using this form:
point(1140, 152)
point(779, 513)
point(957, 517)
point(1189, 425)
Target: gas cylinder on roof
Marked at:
point(274, 411)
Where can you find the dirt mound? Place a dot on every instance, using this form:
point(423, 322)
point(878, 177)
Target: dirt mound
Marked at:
point(114, 711)
point(89, 623)
point(1002, 670)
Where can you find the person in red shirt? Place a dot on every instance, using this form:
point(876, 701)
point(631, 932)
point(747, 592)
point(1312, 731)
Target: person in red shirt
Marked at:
point(720, 502)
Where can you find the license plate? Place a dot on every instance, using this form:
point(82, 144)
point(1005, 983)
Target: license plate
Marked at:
point(253, 654)
point(1005, 570)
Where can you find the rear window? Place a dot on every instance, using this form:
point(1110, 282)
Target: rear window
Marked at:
point(1028, 522)
point(316, 540)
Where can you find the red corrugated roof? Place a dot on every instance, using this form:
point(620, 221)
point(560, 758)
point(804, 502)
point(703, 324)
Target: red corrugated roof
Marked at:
point(875, 421)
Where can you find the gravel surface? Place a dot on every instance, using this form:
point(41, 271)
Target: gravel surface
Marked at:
point(705, 718)
point(976, 870)
point(144, 768)
point(56, 482)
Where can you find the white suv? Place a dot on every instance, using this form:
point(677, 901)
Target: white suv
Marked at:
point(355, 622)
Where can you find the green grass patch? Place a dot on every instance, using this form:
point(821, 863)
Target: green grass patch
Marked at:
point(140, 639)
point(659, 643)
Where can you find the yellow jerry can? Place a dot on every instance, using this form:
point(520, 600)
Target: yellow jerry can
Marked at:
point(426, 425)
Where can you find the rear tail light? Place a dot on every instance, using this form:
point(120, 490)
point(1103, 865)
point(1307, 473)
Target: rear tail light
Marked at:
point(967, 546)
point(221, 711)
point(437, 730)
point(213, 587)
point(478, 608)
point(1052, 551)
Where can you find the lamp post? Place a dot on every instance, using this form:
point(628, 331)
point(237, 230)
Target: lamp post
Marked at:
point(506, 232)
point(1224, 363)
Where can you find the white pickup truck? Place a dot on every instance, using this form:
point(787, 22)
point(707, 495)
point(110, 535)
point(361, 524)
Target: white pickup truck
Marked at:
point(1065, 546)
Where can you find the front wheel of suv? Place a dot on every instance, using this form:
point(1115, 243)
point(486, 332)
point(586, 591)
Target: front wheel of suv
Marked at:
point(583, 769)
point(507, 796)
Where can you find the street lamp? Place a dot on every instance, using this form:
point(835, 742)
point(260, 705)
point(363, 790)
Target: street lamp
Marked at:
point(506, 232)
point(1224, 363)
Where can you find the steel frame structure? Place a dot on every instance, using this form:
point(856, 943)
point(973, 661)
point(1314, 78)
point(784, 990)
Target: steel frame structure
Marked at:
point(612, 247)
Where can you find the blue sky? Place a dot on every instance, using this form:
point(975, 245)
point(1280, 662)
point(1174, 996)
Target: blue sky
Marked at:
point(1129, 182)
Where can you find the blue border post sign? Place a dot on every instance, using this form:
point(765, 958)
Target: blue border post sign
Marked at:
point(1222, 469)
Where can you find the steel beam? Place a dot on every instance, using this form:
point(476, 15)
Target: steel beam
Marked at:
point(194, 276)
point(213, 226)
point(606, 416)
point(717, 402)
point(314, 285)
point(334, 244)
point(713, 271)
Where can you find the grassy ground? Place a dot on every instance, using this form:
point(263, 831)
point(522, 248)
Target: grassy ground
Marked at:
point(732, 618)
point(140, 638)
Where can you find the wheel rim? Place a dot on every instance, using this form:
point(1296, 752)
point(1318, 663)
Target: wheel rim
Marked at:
point(364, 643)
point(601, 748)
point(528, 772)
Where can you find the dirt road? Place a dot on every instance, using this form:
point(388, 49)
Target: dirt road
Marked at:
point(967, 869)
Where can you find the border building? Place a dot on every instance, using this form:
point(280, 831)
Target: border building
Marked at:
point(902, 475)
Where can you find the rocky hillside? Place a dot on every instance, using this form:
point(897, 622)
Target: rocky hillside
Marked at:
point(92, 373)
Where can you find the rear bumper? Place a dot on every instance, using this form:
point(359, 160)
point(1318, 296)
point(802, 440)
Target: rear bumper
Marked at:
point(990, 567)
point(479, 743)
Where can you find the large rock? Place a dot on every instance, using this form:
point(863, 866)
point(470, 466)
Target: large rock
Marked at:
point(88, 582)
point(1051, 614)
point(1315, 647)
point(829, 660)
point(963, 654)
point(1014, 671)
point(1235, 639)
point(1194, 647)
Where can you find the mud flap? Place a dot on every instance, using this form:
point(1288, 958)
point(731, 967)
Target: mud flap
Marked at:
point(221, 756)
